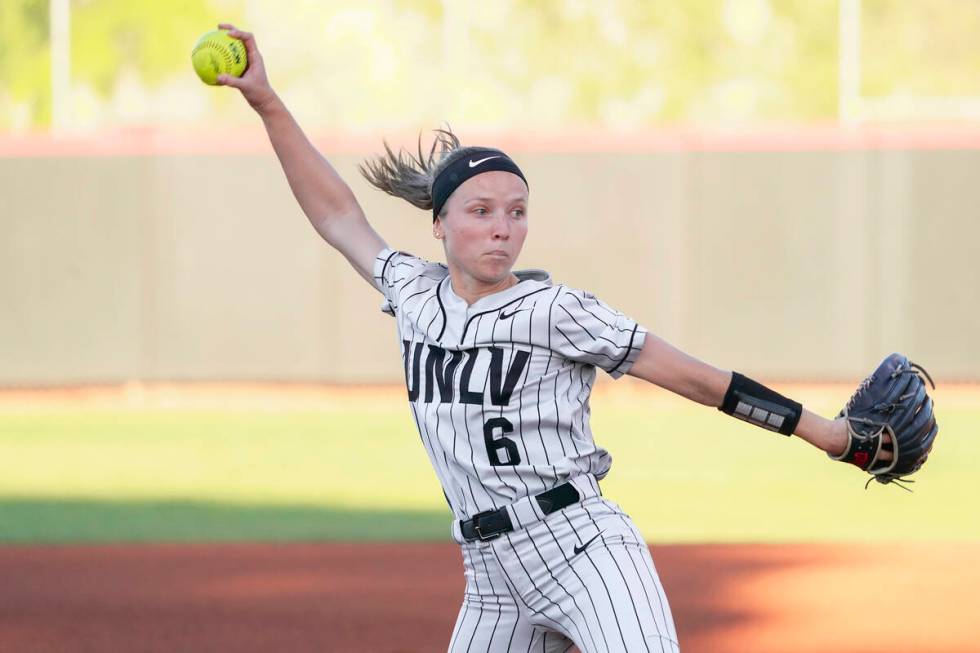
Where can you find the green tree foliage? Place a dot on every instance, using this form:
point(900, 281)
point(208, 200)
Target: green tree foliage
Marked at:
point(921, 48)
point(155, 38)
point(533, 64)
point(107, 36)
point(25, 63)
point(641, 63)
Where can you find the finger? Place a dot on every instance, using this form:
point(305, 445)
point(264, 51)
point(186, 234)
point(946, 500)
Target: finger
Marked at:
point(229, 80)
point(225, 26)
point(241, 35)
point(887, 451)
point(251, 48)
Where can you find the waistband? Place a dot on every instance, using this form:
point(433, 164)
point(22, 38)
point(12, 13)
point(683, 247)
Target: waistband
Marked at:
point(531, 509)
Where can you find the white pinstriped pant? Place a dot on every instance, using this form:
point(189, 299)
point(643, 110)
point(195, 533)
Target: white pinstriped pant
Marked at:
point(529, 591)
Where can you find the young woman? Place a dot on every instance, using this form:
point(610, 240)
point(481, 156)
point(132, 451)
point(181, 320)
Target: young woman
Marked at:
point(499, 365)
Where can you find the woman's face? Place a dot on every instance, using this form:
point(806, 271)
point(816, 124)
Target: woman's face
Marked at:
point(484, 225)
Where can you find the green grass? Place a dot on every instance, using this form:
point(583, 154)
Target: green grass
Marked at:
point(50, 520)
point(685, 473)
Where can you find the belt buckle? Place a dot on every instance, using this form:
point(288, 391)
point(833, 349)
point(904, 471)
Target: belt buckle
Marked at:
point(476, 526)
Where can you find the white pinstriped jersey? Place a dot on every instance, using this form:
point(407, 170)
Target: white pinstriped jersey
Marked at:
point(500, 389)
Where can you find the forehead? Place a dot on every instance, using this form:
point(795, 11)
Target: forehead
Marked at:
point(498, 184)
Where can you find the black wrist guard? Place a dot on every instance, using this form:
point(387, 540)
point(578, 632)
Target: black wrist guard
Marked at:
point(755, 403)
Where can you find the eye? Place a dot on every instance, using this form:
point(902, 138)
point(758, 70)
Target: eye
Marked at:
point(519, 213)
point(480, 210)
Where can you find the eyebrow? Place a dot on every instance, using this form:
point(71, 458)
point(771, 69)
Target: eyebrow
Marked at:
point(516, 198)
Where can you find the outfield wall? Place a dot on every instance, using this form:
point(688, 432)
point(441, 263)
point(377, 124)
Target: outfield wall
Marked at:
point(782, 264)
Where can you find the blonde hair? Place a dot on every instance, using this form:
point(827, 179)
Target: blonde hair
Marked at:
point(410, 177)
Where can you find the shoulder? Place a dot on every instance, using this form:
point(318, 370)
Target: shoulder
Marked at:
point(398, 274)
point(391, 264)
point(394, 269)
point(573, 299)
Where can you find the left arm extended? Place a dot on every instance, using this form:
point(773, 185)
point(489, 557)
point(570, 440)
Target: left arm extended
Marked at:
point(664, 365)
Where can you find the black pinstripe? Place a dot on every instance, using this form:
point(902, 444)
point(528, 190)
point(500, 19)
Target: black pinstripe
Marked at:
point(499, 608)
point(643, 586)
point(419, 424)
point(612, 605)
point(470, 440)
point(629, 349)
point(530, 363)
point(516, 593)
point(442, 308)
point(479, 617)
point(661, 598)
point(564, 589)
point(629, 592)
point(486, 380)
point(583, 426)
point(466, 326)
point(542, 594)
point(466, 511)
point(459, 626)
point(530, 643)
point(385, 266)
point(599, 319)
point(518, 618)
point(510, 362)
point(547, 369)
point(416, 294)
point(464, 613)
point(420, 311)
point(520, 402)
point(570, 595)
point(584, 586)
point(581, 326)
point(653, 581)
point(571, 424)
point(584, 351)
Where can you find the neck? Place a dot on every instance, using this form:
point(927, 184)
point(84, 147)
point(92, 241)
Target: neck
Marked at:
point(471, 290)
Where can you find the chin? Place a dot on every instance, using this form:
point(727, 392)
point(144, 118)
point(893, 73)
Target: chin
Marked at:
point(499, 273)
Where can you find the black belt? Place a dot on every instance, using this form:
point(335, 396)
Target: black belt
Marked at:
point(494, 523)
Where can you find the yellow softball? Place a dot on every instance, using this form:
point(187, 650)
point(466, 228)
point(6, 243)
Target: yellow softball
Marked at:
point(216, 53)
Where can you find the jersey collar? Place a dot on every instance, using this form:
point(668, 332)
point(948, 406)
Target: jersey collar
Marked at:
point(528, 281)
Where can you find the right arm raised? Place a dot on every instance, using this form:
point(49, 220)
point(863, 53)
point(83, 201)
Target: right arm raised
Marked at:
point(325, 198)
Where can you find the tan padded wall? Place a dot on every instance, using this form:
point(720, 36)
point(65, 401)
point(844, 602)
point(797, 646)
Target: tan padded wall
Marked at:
point(785, 265)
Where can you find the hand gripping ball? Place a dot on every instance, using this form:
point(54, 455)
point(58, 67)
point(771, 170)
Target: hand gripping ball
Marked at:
point(216, 53)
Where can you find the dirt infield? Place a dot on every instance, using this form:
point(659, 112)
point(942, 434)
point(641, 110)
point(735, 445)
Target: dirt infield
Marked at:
point(401, 598)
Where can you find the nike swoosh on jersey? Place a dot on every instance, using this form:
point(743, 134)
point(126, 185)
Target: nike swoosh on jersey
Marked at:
point(579, 549)
point(474, 164)
point(504, 315)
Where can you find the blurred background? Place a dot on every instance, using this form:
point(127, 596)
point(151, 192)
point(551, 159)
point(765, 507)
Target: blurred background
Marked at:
point(89, 65)
point(784, 187)
point(740, 176)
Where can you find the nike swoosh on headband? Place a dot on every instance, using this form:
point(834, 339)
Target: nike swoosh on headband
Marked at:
point(474, 164)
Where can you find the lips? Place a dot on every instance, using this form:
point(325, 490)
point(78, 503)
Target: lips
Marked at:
point(498, 252)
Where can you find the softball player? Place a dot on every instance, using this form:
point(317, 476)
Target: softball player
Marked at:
point(499, 365)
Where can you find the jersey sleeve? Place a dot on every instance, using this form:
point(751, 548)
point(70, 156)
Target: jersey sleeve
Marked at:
point(394, 271)
point(588, 330)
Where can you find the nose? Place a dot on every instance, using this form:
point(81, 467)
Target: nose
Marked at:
point(501, 227)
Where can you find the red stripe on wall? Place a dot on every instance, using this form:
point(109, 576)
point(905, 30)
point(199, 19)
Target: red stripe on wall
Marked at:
point(252, 140)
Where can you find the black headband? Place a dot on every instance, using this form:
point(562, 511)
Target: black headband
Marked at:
point(461, 169)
